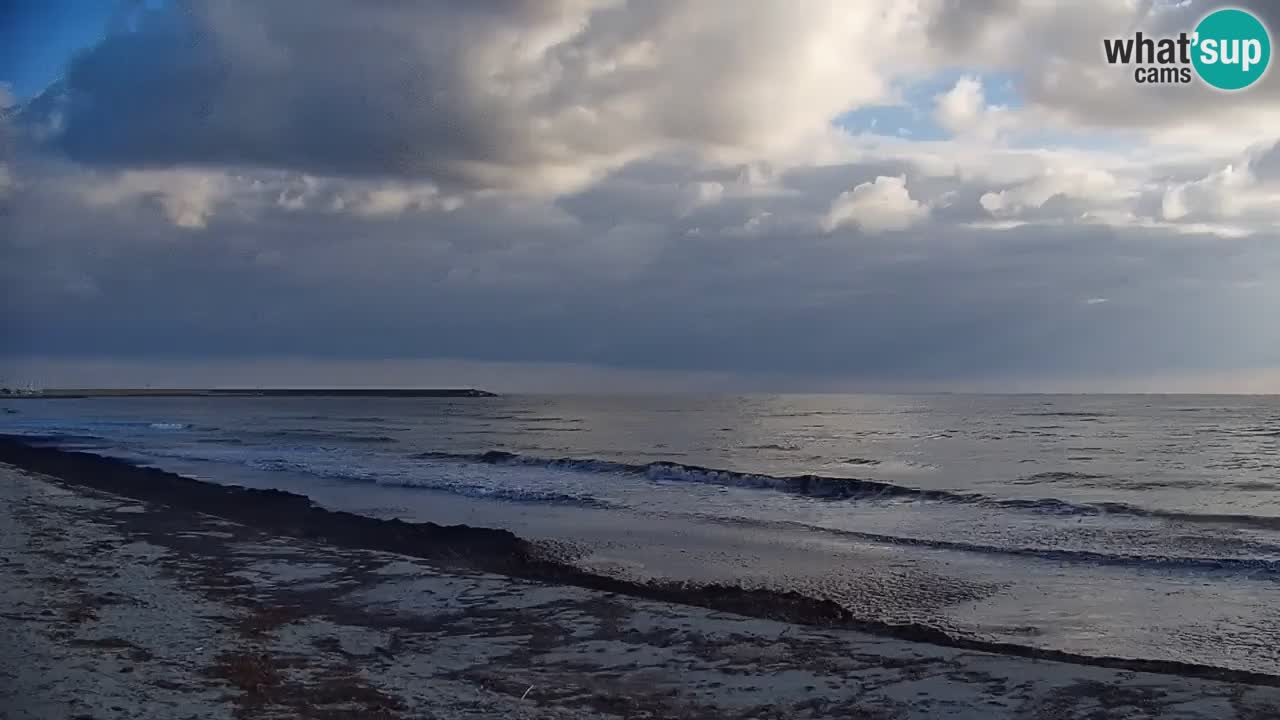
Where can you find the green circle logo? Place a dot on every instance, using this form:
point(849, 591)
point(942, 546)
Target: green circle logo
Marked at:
point(1232, 49)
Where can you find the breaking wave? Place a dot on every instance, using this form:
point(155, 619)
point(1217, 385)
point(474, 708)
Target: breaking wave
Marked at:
point(372, 475)
point(1246, 565)
point(840, 488)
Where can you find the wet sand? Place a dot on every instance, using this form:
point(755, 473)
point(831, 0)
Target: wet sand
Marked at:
point(119, 608)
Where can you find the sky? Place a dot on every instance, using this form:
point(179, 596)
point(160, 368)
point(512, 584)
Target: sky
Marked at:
point(612, 195)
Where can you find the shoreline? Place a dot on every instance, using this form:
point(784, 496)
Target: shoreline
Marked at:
point(88, 393)
point(126, 609)
point(503, 552)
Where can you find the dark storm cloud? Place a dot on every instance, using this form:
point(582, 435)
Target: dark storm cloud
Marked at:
point(520, 93)
point(332, 89)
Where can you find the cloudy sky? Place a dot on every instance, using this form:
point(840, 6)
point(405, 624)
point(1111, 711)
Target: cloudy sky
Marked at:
point(603, 194)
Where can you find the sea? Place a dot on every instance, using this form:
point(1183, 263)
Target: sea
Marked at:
point(1140, 527)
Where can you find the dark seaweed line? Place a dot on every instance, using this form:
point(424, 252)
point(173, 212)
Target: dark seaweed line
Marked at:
point(503, 552)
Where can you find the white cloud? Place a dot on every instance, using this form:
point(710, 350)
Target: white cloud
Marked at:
point(299, 194)
point(188, 198)
point(395, 199)
point(876, 207)
point(700, 194)
point(360, 198)
point(1211, 196)
point(964, 111)
point(1244, 190)
point(1088, 185)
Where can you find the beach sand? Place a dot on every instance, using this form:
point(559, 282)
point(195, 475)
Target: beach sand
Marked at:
point(113, 607)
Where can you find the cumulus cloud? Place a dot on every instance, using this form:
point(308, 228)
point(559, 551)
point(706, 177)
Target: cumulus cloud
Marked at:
point(875, 207)
point(1210, 196)
point(964, 111)
point(186, 197)
point(1094, 186)
point(1244, 191)
point(394, 200)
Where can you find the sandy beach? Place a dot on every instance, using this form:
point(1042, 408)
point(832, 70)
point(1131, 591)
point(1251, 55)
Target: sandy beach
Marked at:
point(116, 608)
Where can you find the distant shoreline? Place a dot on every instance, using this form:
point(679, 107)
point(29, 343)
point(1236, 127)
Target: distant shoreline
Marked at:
point(72, 393)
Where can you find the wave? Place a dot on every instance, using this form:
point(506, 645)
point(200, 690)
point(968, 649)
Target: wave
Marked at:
point(85, 424)
point(501, 551)
point(375, 476)
point(823, 487)
point(1056, 476)
point(1250, 565)
point(366, 419)
point(345, 468)
point(1064, 414)
point(149, 424)
point(340, 464)
point(509, 494)
point(816, 486)
point(56, 437)
point(334, 435)
point(860, 461)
